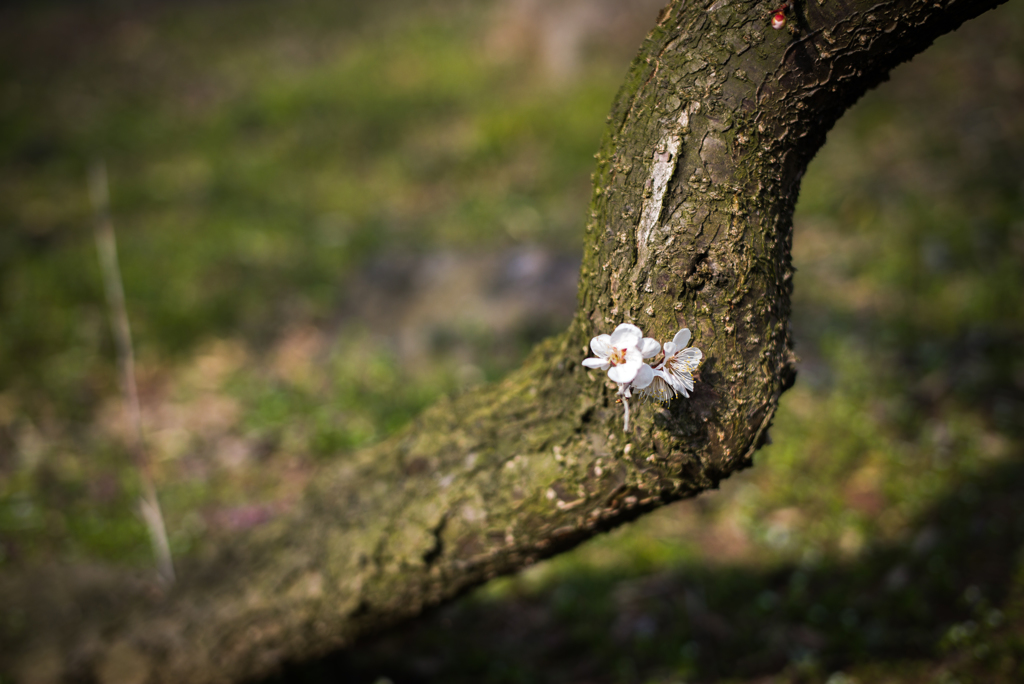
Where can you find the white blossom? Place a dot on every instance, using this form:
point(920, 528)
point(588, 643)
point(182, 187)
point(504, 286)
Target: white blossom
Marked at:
point(675, 373)
point(622, 353)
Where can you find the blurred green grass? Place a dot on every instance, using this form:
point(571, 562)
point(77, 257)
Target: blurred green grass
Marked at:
point(261, 155)
point(253, 164)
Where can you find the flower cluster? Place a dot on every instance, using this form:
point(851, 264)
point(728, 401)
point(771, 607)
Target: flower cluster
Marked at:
point(623, 352)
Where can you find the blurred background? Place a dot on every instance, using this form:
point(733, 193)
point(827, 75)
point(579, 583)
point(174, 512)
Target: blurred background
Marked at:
point(329, 213)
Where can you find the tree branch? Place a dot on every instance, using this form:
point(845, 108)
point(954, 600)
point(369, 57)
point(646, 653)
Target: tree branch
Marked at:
point(690, 225)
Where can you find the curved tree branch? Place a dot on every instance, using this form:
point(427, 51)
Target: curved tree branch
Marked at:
point(690, 225)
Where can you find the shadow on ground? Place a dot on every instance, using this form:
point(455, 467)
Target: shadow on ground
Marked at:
point(946, 593)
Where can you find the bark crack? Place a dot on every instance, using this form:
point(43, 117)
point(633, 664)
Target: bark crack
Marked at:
point(435, 551)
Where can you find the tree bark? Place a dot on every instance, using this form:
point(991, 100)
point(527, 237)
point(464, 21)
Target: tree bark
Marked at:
point(690, 225)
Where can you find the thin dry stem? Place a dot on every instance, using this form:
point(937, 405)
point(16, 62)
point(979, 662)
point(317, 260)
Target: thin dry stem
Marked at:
point(106, 245)
point(625, 406)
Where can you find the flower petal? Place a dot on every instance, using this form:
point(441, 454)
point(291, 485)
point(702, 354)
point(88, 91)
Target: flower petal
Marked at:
point(659, 390)
point(649, 347)
point(691, 357)
point(643, 377)
point(601, 364)
point(626, 335)
point(682, 338)
point(625, 372)
point(670, 349)
point(602, 345)
point(679, 377)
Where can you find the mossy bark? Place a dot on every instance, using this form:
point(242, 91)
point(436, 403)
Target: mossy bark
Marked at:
point(689, 226)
